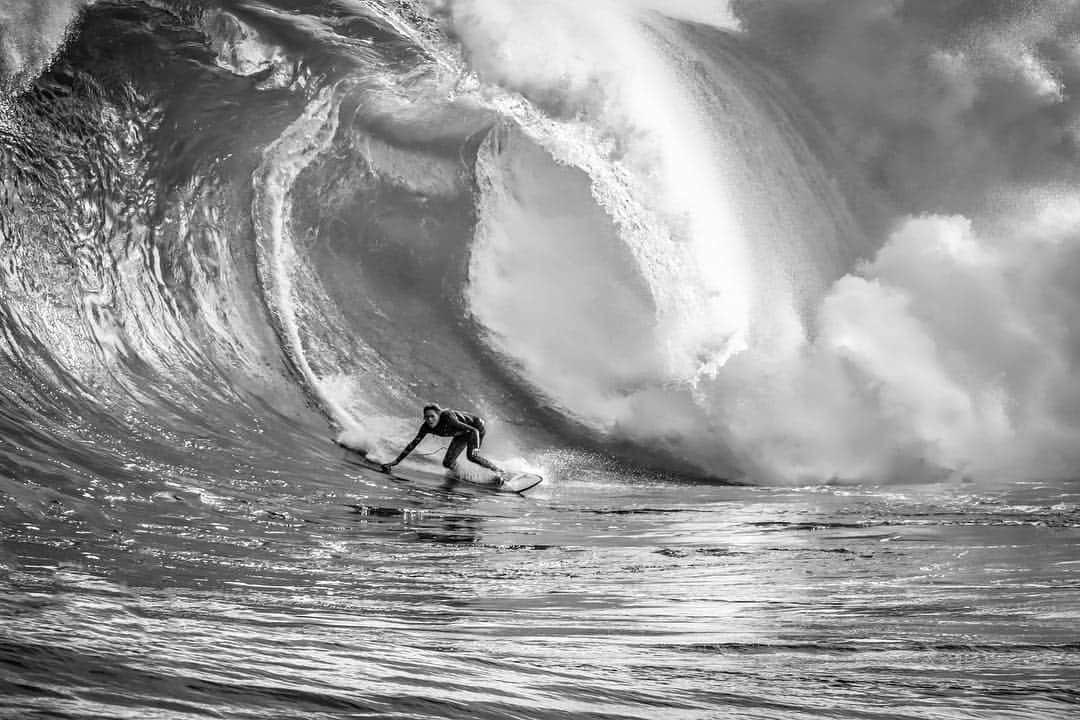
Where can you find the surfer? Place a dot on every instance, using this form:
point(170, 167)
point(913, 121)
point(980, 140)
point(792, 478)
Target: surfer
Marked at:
point(466, 430)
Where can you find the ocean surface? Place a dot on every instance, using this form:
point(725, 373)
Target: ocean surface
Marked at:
point(779, 298)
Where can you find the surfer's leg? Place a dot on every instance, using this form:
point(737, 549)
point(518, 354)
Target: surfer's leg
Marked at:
point(477, 458)
point(457, 444)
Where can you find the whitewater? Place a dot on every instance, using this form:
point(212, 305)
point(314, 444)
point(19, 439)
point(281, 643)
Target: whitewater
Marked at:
point(778, 295)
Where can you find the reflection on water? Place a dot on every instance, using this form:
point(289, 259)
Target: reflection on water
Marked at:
point(596, 599)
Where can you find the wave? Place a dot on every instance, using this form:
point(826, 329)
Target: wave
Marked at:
point(626, 227)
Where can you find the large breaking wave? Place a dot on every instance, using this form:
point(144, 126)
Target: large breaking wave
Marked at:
point(651, 229)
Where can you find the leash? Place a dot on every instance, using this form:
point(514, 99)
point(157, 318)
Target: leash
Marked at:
point(433, 452)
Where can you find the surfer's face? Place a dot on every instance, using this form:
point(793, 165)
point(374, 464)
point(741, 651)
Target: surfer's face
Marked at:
point(431, 418)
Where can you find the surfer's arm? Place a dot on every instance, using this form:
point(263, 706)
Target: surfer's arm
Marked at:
point(408, 449)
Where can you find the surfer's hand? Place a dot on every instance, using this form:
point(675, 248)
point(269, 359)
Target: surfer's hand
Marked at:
point(385, 467)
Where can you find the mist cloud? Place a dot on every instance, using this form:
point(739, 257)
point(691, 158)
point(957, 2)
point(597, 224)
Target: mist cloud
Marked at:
point(31, 32)
point(939, 102)
point(956, 348)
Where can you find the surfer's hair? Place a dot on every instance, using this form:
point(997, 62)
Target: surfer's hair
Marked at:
point(434, 407)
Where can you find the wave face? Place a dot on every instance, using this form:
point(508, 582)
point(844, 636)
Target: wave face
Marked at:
point(659, 230)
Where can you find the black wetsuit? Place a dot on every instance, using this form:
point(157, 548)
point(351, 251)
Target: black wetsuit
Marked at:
point(467, 431)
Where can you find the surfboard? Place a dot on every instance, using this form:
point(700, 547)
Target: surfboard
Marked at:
point(514, 482)
point(519, 482)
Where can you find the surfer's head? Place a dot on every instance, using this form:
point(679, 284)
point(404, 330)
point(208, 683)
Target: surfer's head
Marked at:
point(431, 415)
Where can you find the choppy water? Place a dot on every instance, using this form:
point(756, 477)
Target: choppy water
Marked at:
point(660, 246)
point(358, 600)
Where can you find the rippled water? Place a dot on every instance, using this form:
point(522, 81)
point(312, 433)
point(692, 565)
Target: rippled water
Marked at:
point(591, 597)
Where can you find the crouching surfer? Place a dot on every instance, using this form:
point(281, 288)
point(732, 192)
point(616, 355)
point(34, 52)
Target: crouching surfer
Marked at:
point(467, 433)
